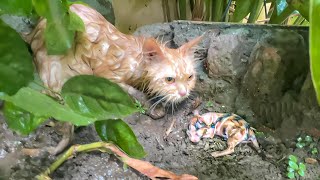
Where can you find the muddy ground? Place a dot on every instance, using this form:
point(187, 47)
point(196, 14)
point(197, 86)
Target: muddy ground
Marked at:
point(258, 72)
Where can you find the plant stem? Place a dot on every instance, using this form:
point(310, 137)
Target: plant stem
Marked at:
point(69, 153)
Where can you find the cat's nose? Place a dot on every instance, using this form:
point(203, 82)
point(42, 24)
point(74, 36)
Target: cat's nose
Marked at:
point(182, 93)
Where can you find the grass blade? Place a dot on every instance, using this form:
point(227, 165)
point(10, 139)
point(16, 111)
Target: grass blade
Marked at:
point(255, 11)
point(217, 10)
point(314, 45)
point(182, 9)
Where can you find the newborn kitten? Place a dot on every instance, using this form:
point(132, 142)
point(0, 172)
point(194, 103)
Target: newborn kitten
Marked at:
point(132, 62)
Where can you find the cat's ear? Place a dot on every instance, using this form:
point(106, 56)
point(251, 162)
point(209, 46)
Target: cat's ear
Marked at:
point(151, 49)
point(188, 48)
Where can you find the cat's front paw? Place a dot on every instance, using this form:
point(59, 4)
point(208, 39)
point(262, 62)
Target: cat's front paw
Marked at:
point(157, 112)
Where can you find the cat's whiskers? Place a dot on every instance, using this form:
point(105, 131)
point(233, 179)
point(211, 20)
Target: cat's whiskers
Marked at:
point(153, 106)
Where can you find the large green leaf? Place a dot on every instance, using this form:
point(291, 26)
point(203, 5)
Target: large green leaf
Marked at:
point(16, 69)
point(16, 7)
point(314, 45)
point(302, 6)
point(43, 106)
point(60, 23)
point(255, 10)
point(243, 8)
point(277, 19)
point(66, 37)
point(97, 97)
point(20, 120)
point(76, 23)
point(52, 10)
point(121, 134)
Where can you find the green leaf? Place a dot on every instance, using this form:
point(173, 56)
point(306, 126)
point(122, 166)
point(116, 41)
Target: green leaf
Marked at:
point(308, 139)
point(121, 134)
point(76, 23)
point(58, 22)
point(183, 9)
point(52, 10)
point(43, 106)
point(217, 10)
point(292, 158)
point(278, 19)
point(281, 5)
point(301, 172)
point(16, 68)
point(289, 169)
point(243, 8)
point(255, 11)
point(314, 151)
point(299, 145)
point(16, 7)
point(314, 45)
point(64, 42)
point(302, 6)
point(302, 166)
point(20, 120)
point(97, 97)
point(293, 165)
point(290, 175)
point(299, 139)
point(37, 83)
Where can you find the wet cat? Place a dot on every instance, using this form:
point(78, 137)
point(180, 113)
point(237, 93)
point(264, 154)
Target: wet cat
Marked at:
point(135, 63)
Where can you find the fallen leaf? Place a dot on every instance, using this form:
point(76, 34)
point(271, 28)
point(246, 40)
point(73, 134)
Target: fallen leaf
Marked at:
point(147, 168)
point(196, 103)
point(310, 160)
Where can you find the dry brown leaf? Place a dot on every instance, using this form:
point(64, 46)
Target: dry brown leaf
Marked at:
point(196, 103)
point(310, 160)
point(147, 168)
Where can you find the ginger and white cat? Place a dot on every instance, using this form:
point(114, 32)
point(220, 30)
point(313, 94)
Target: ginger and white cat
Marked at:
point(132, 62)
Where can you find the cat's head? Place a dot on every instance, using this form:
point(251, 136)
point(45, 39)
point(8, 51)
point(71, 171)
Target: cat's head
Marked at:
point(171, 73)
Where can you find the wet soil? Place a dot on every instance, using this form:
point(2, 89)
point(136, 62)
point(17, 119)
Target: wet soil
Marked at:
point(229, 90)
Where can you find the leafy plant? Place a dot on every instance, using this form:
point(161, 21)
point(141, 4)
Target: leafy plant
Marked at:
point(295, 169)
point(141, 109)
point(307, 141)
point(209, 104)
point(83, 100)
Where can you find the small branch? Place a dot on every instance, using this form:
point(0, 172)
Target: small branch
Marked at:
point(143, 167)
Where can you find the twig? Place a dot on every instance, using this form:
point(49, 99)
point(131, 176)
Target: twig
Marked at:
point(170, 127)
point(143, 167)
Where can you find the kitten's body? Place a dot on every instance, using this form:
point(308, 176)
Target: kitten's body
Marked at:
point(130, 61)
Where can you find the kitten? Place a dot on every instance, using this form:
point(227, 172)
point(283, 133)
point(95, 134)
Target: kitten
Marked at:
point(135, 63)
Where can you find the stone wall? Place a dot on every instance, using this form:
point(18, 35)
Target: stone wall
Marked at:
point(260, 72)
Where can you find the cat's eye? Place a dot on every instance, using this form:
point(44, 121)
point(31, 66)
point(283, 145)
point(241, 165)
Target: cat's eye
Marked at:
point(190, 77)
point(170, 80)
